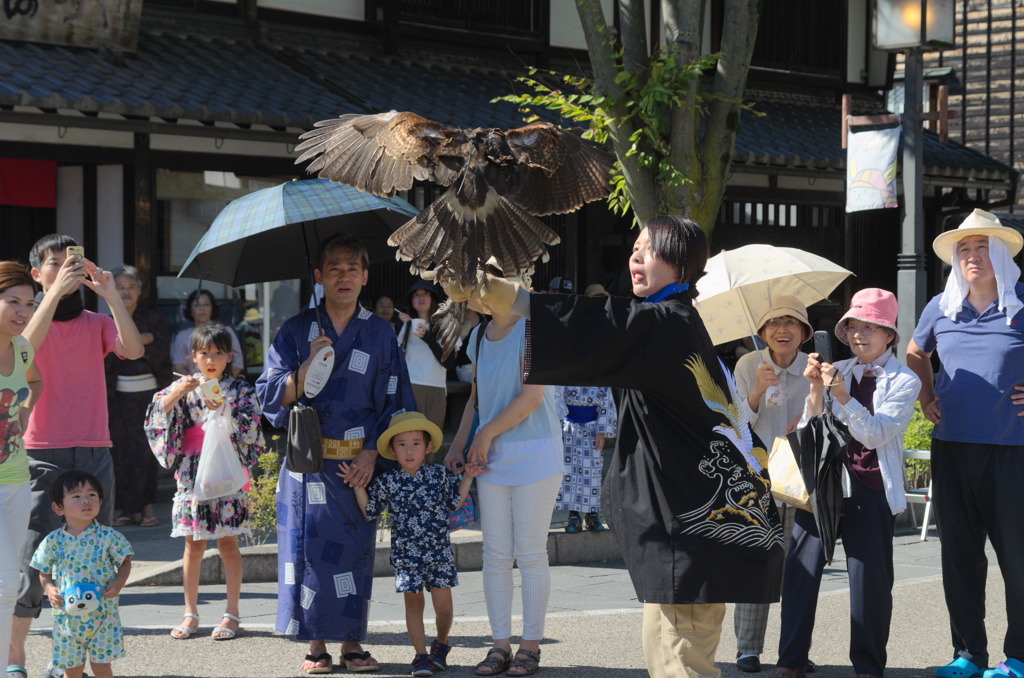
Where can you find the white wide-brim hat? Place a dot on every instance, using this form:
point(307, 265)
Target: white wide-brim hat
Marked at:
point(978, 222)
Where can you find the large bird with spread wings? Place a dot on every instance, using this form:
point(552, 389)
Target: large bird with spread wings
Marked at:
point(498, 182)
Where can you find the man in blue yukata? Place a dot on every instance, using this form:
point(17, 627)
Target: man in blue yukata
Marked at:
point(326, 547)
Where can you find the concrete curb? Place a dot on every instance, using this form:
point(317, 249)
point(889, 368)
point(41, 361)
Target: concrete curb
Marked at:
point(259, 563)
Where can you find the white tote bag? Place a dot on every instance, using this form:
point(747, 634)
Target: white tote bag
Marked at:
point(220, 472)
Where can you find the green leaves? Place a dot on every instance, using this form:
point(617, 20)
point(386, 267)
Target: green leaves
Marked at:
point(644, 105)
point(262, 497)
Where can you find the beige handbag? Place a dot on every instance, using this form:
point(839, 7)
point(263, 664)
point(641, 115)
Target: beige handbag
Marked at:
point(787, 482)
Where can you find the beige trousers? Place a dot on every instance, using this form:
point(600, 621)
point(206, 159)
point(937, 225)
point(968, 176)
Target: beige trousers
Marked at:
point(680, 641)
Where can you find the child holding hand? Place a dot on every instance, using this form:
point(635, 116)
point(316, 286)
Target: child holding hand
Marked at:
point(174, 426)
point(83, 552)
point(419, 498)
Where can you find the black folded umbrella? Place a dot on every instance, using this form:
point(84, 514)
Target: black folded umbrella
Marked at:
point(819, 448)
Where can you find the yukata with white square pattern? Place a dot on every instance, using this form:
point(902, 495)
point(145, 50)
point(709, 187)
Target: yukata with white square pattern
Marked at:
point(421, 550)
point(581, 484)
point(94, 557)
point(326, 554)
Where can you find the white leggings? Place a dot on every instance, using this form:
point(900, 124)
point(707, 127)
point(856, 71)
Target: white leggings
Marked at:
point(14, 508)
point(515, 520)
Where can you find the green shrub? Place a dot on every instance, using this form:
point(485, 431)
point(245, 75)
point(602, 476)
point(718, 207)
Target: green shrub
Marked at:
point(262, 498)
point(918, 437)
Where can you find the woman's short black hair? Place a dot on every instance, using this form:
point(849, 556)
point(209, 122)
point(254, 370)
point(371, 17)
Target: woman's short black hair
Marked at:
point(69, 480)
point(192, 298)
point(213, 334)
point(682, 244)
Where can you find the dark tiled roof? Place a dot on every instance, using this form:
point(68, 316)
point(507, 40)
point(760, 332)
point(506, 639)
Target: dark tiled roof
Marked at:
point(210, 70)
point(453, 91)
point(204, 74)
point(1013, 220)
point(807, 135)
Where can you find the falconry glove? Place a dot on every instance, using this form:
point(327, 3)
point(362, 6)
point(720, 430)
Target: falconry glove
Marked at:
point(495, 294)
point(458, 291)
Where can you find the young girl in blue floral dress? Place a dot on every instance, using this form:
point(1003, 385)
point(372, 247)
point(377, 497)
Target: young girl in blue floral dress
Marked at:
point(174, 428)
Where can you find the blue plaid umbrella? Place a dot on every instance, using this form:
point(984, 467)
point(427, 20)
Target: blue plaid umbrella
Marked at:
point(272, 234)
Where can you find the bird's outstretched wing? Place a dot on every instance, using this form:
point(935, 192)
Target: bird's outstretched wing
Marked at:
point(559, 172)
point(383, 153)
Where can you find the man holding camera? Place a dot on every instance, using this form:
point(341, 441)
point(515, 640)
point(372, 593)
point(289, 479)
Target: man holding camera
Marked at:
point(68, 426)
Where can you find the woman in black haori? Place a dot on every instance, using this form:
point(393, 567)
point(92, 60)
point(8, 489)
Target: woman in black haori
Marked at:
point(687, 492)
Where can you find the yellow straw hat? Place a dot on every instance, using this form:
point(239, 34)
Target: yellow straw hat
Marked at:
point(403, 423)
point(978, 222)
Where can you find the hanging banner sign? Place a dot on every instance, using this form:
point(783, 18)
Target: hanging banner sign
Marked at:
point(77, 23)
point(871, 169)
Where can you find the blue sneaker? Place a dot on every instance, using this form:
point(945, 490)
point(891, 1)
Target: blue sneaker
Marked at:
point(959, 668)
point(421, 666)
point(1011, 668)
point(439, 655)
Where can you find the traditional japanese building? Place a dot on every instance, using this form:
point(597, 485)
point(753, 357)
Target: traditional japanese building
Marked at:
point(132, 131)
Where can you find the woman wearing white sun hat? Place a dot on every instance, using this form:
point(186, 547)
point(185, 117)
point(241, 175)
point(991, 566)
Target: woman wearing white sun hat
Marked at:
point(783, 327)
point(978, 441)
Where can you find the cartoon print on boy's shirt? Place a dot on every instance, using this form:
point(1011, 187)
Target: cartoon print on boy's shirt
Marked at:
point(10, 426)
point(737, 510)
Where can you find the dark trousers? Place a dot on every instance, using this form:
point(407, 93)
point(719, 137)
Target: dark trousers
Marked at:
point(977, 493)
point(135, 466)
point(866, 530)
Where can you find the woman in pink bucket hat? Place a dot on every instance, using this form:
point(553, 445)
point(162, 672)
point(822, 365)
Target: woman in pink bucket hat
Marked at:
point(975, 402)
point(873, 394)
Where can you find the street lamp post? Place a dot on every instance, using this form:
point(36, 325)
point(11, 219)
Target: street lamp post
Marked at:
point(910, 262)
point(912, 26)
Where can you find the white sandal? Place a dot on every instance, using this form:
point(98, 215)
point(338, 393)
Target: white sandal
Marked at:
point(224, 633)
point(186, 631)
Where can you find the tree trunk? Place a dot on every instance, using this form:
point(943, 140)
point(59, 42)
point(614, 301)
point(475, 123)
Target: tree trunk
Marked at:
point(640, 181)
point(703, 156)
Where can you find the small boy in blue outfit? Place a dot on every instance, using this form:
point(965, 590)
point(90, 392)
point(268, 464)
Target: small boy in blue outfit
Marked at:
point(419, 497)
point(83, 551)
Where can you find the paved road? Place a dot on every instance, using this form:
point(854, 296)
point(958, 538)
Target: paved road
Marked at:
point(593, 629)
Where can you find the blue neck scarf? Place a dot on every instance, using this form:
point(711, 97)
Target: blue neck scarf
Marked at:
point(667, 291)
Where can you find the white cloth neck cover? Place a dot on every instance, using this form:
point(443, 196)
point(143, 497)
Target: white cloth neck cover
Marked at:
point(1007, 275)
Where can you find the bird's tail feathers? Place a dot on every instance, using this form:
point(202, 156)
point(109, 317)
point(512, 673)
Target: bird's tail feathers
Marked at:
point(515, 237)
point(426, 239)
point(448, 320)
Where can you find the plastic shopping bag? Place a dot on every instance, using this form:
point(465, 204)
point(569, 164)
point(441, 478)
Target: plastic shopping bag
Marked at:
point(220, 472)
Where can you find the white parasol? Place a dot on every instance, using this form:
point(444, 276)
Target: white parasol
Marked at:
point(741, 283)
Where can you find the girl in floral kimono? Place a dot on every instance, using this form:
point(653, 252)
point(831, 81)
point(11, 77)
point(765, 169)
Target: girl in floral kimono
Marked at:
point(174, 428)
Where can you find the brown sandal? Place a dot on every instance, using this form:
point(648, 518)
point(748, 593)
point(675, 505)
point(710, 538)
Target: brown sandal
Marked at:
point(496, 661)
point(527, 661)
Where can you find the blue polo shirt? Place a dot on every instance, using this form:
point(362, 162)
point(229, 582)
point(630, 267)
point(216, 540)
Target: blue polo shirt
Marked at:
point(981, 360)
